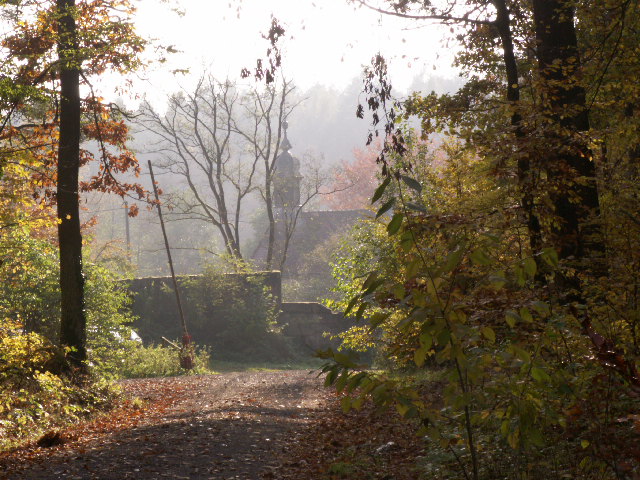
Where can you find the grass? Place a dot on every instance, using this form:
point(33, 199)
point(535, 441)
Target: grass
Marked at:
point(224, 366)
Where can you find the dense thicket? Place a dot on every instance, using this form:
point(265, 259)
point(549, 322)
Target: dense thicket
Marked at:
point(507, 260)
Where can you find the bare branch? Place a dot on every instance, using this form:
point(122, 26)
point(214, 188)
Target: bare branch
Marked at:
point(445, 18)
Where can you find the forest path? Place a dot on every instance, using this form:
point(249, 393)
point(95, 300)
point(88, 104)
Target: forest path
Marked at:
point(227, 426)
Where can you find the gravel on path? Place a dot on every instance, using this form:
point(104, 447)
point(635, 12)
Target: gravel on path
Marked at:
point(228, 426)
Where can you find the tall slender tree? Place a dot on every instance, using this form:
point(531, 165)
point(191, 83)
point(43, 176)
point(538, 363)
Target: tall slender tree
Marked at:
point(72, 315)
point(50, 64)
point(571, 166)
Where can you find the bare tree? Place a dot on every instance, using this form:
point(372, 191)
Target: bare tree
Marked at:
point(198, 142)
point(267, 111)
point(287, 218)
point(223, 142)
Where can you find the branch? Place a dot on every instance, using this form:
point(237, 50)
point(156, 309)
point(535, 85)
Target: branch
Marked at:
point(442, 18)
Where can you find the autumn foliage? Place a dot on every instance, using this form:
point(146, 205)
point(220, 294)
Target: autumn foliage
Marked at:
point(355, 180)
point(498, 266)
point(106, 42)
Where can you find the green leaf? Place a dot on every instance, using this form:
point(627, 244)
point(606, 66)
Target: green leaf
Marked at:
point(379, 393)
point(419, 356)
point(520, 276)
point(395, 224)
point(539, 375)
point(497, 281)
point(331, 376)
point(535, 437)
point(525, 314)
point(530, 266)
point(542, 308)
point(520, 353)
point(354, 382)
point(345, 403)
point(386, 207)
point(341, 382)
point(399, 292)
point(412, 183)
point(426, 340)
point(504, 428)
point(371, 283)
point(565, 389)
point(373, 286)
point(550, 256)
point(371, 278)
point(380, 190)
point(344, 360)
point(402, 409)
point(419, 298)
point(489, 334)
point(377, 319)
point(511, 318)
point(585, 443)
point(413, 268)
point(453, 260)
point(443, 337)
point(480, 257)
point(351, 304)
point(407, 241)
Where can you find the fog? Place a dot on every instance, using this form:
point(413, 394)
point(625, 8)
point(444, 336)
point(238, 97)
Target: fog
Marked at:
point(323, 131)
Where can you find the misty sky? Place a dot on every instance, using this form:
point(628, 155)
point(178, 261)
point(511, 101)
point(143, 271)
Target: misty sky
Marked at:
point(327, 42)
point(326, 46)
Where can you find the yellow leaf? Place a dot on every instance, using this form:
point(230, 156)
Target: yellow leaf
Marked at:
point(489, 334)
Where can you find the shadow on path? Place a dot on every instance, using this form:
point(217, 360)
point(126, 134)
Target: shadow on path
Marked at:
point(228, 427)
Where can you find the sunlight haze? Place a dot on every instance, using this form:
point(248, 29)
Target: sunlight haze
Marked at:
point(326, 42)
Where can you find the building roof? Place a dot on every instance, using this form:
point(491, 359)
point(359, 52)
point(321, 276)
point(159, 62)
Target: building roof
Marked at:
point(312, 230)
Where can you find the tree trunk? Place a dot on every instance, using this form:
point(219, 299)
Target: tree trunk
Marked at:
point(578, 236)
point(525, 176)
point(272, 219)
point(571, 170)
point(72, 320)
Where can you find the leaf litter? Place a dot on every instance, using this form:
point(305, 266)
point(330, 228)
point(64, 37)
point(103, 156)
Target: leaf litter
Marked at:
point(242, 425)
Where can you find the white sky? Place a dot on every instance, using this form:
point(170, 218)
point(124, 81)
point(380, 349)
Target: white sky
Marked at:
point(327, 42)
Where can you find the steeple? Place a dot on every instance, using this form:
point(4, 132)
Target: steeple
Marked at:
point(285, 145)
point(286, 176)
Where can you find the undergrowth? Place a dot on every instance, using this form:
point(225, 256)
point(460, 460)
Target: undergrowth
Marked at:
point(35, 396)
point(160, 361)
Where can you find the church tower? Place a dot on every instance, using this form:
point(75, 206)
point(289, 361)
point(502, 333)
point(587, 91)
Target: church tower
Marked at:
point(286, 177)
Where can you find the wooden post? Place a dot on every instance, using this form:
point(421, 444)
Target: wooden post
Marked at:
point(166, 244)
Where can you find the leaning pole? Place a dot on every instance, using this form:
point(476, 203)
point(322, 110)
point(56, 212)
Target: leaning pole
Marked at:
point(186, 355)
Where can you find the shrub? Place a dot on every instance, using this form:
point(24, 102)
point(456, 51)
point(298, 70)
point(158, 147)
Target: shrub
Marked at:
point(235, 314)
point(30, 298)
point(160, 361)
point(33, 397)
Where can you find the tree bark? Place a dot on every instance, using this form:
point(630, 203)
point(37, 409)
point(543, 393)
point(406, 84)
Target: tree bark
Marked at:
point(72, 319)
point(525, 176)
point(572, 169)
point(579, 236)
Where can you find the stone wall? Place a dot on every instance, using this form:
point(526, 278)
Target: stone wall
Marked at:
point(155, 306)
point(307, 322)
point(154, 303)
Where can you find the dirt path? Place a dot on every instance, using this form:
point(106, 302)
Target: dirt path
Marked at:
point(219, 427)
